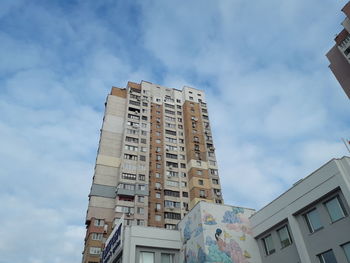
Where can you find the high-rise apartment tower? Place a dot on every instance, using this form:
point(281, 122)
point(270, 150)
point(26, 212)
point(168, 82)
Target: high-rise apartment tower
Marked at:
point(339, 55)
point(155, 161)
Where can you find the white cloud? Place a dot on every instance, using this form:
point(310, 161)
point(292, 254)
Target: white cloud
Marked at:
point(276, 111)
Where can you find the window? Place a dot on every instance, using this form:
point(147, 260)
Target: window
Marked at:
point(142, 177)
point(335, 209)
point(169, 215)
point(124, 209)
point(141, 199)
point(158, 157)
point(327, 257)
point(202, 193)
point(95, 250)
point(346, 248)
point(172, 140)
point(99, 222)
point(129, 176)
point(143, 149)
point(131, 139)
point(215, 181)
point(184, 194)
point(140, 210)
point(158, 141)
point(158, 217)
point(158, 185)
point(140, 222)
point(146, 257)
point(171, 148)
point(170, 226)
point(268, 245)
point(158, 165)
point(169, 132)
point(97, 236)
point(157, 195)
point(200, 182)
point(129, 166)
point(130, 157)
point(172, 183)
point(141, 187)
point(171, 156)
point(127, 186)
point(142, 158)
point(172, 173)
point(157, 175)
point(183, 184)
point(158, 207)
point(183, 165)
point(313, 220)
point(171, 193)
point(166, 258)
point(143, 141)
point(172, 204)
point(284, 236)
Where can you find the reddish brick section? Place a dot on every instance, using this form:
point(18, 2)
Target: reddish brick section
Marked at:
point(346, 9)
point(157, 125)
point(341, 36)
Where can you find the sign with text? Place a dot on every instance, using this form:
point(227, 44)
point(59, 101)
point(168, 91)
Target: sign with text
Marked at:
point(114, 243)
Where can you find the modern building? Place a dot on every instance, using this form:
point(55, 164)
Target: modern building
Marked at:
point(208, 233)
point(339, 55)
point(310, 222)
point(155, 161)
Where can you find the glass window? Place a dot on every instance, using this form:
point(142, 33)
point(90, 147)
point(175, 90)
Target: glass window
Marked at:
point(167, 258)
point(346, 248)
point(327, 257)
point(146, 257)
point(313, 220)
point(284, 236)
point(268, 245)
point(335, 209)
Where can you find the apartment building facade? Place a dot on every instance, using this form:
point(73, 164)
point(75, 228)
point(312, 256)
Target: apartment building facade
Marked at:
point(310, 222)
point(155, 161)
point(339, 54)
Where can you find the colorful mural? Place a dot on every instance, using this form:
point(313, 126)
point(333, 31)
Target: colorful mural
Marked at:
point(223, 238)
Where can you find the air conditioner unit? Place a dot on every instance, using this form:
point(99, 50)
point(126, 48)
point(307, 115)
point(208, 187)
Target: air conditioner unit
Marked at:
point(167, 150)
point(171, 208)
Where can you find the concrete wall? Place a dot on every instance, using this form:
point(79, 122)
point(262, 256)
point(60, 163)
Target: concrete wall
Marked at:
point(149, 239)
point(329, 180)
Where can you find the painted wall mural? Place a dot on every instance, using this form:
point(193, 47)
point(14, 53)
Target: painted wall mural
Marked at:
point(214, 233)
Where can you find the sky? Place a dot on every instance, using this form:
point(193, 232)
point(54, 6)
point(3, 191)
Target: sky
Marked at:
point(277, 112)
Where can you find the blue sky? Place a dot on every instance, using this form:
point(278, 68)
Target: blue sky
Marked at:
point(277, 112)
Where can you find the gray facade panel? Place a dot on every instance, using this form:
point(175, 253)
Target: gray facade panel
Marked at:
point(331, 236)
point(121, 191)
point(103, 190)
point(288, 254)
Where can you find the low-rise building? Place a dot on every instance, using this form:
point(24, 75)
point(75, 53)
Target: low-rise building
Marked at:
point(310, 222)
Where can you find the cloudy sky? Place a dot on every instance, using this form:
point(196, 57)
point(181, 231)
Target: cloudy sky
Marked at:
point(277, 112)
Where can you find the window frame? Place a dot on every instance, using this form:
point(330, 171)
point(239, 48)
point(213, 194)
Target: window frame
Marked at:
point(289, 236)
point(308, 221)
point(321, 256)
point(268, 251)
point(340, 205)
